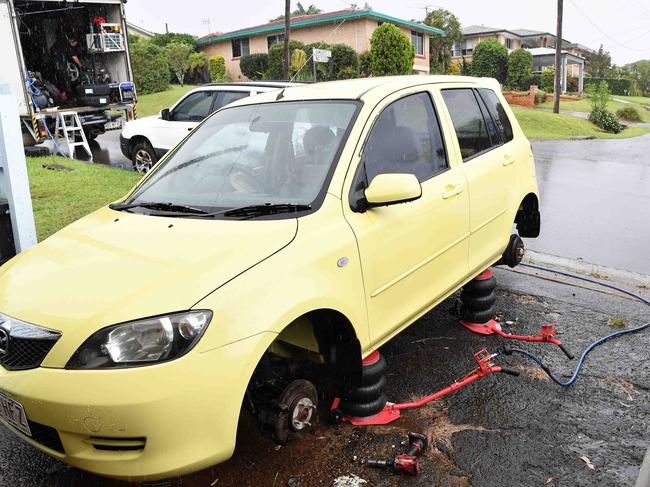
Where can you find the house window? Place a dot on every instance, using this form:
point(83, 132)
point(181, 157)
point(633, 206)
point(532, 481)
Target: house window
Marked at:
point(417, 38)
point(276, 39)
point(240, 47)
point(508, 43)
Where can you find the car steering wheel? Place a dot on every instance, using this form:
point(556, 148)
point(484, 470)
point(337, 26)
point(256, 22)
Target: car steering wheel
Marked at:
point(242, 178)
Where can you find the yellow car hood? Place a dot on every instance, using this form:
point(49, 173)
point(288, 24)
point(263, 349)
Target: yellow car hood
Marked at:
point(111, 267)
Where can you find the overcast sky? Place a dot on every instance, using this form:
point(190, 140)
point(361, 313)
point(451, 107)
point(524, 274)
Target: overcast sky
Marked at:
point(622, 26)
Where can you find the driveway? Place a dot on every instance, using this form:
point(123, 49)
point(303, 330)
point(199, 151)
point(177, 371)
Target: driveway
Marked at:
point(595, 201)
point(497, 432)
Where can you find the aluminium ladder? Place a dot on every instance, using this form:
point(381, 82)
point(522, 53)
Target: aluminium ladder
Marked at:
point(70, 124)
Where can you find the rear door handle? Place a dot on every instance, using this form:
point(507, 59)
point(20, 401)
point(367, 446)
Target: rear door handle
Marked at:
point(454, 191)
point(507, 160)
point(190, 129)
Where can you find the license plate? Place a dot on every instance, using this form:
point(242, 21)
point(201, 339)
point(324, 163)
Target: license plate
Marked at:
point(14, 414)
point(116, 124)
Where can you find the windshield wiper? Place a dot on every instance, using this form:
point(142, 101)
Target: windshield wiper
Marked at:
point(265, 209)
point(151, 205)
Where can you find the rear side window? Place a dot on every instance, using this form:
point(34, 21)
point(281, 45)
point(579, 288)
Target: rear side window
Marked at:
point(406, 138)
point(468, 121)
point(498, 113)
point(227, 97)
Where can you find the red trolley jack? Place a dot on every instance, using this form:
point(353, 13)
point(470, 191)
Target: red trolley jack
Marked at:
point(391, 411)
point(547, 334)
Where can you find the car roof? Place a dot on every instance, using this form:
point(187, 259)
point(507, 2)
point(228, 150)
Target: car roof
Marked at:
point(364, 88)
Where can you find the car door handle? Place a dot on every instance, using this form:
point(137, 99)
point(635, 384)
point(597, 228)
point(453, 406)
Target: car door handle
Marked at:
point(507, 160)
point(190, 129)
point(453, 191)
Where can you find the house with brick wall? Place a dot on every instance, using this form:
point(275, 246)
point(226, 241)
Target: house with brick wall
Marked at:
point(539, 43)
point(351, 27)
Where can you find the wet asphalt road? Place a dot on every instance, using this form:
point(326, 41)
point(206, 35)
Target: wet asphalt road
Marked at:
point(595, 201)
point(595, 198)
point(501, 431)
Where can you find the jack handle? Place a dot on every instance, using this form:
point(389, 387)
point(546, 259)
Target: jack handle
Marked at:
point(546, 335)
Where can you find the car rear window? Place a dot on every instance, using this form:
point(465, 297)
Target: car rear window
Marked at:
point(470, 127)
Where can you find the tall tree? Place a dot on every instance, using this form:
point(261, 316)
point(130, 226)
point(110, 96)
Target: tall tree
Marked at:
point(440, 47)
point(641, 71)
point(600, 63)
point(301, 10)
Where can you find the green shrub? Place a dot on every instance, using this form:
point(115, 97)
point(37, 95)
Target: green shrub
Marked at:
point(150, 67)
point(533, 79)
point(490, 60)
point(629, 113)
point(164, 40)
point(197, 71)
point(344, 63)
point(391, 51)
point(364, 64)
point(617, 86)
point(540, 97)
point(520, 67)
point(605, 120)
point(253, 66)
point(217, 68)
point(465, 68)
point(275, 58)
point(453, 69)
point(548, 80)
point(178, 55)
point(599, 96)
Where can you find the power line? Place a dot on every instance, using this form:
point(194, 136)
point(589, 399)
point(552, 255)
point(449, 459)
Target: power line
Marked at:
point(616, 43)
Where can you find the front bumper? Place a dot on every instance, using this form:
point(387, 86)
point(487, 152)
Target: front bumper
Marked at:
point(145, 423)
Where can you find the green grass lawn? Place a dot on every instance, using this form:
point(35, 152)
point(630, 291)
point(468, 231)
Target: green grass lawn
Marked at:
point(152, 104)
point(585, 106)
point(642, 100)
point(538, 124)
point(61, 197)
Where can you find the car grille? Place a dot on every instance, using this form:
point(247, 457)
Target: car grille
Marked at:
point(22, 345)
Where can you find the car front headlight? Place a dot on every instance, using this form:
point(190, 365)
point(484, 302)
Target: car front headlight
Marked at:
point(142, 342)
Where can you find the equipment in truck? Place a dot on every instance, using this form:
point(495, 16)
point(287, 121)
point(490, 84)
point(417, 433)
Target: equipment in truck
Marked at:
point(49, 66)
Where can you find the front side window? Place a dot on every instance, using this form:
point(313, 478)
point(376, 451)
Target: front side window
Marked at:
point(497, 112)
point(272, 153)
point(406, 138)
point(193, 108)
point(417, 38)
point(467, 118)
point(240, 47)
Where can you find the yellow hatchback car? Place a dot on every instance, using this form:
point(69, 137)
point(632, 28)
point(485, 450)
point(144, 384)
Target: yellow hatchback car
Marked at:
point(285, 239)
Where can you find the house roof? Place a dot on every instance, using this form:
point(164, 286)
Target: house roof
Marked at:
point(529, 33)
point(480, 29)
point(303, 21)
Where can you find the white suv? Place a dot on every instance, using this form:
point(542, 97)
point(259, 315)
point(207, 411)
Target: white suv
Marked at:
point(146, 139)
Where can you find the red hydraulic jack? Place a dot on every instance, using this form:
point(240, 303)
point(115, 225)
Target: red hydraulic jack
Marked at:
point(391, 411)
point(478, 299)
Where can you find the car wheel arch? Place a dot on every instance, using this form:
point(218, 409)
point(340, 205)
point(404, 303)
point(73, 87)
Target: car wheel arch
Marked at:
point(527, 218)
point(327, 333)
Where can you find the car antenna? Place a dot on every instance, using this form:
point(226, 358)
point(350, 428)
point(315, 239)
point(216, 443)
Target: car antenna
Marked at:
point(280, 95)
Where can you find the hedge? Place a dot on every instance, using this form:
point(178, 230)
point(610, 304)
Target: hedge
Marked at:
point(344, 63)
point(490, 60)
point(617, 86)
point(253, 66)
point(391, 51)
point(150, 67)
point(276, 53)
point(217, 68)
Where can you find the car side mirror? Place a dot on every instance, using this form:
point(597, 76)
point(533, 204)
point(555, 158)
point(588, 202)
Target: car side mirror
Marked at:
point(164, 114)
point(390, 189)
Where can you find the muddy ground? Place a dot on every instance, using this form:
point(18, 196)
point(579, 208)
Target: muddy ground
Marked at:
point(500, 431)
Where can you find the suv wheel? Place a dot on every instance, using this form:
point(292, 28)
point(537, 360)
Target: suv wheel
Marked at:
point(144, 157)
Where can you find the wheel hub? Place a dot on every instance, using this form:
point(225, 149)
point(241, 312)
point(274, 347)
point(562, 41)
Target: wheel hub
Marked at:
point(302, 413)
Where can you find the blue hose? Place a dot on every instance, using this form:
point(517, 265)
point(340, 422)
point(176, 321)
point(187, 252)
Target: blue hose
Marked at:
point(595, 344)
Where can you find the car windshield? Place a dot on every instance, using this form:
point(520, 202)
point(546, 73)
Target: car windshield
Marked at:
point(274, 153)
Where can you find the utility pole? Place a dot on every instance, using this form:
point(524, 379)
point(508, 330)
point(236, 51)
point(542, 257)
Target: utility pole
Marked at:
point(287, 25)
point(558, 58)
